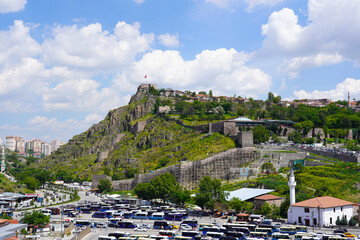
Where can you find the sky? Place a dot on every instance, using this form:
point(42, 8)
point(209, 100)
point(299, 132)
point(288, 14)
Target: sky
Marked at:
point(64, 64)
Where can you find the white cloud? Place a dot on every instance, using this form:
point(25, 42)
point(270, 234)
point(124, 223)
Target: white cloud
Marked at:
point(339, 93)
point(298, 63)
point(168, 40)
point(264, 3)
point(222, 70)
point(81, 95)
point(16, 44)
point(93, 49)
point(41, 125)
point(327, 32)
point(7, 6)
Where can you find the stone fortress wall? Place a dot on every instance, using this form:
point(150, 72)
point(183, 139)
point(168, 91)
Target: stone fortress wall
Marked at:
point(189, 174)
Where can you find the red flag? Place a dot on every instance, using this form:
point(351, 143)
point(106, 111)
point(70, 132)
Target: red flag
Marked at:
point(145, 76)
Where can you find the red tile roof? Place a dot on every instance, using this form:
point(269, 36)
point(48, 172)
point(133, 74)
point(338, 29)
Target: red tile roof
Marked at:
point(323, 202)
point(267, 197)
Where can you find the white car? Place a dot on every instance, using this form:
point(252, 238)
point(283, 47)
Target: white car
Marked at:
point(140, 229)
point(186, 227)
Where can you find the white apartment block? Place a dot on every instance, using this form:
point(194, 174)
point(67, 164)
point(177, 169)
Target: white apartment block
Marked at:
point(11, 143)
point(46, 148)
point(55, 145)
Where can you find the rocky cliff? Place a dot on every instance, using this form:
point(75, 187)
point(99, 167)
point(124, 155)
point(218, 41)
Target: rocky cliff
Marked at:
point(130, 140)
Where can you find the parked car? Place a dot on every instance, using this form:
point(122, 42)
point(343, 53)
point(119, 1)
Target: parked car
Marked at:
point(140, 229)
point(185, 227)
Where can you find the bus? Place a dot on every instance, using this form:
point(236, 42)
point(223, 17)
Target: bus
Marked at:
point(251, 227)
point(106, 208)
point(162, 224)
point(169, 233)
point(259, 235)
point(278, 236)
point(217, 235)
point(193, 223)
point(289, 230)
point(126, 224)
point(119, 234)
point(81, 223)
point(140, 215)
point(95, 207)
point(174, 217)
point(301, 228)
point(99, 215)
point(210, 229)
point(244, 230)
point(182, 238)
point(202, 225)
point(273, 229)
point(128, 215)
point(191, 234)
point(86, 210)
point(157, 216)
point(268, 231)
point(300, 235)
point(238, 235)
point(106, 238)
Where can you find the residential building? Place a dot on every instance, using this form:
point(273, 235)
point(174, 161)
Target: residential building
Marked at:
point(20, 146)
point(11, 143)
point(55, 145)
point(320, 211)
point(36, 145)
point(46, 148)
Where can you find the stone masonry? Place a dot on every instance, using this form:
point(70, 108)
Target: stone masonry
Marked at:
point(189, 174)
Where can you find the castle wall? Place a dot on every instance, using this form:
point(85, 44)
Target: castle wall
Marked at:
point(189, 174)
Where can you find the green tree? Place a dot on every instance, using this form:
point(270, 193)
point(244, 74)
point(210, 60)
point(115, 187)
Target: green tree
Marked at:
point(165, 186)
point(240, 206)
point(265, 209)
point(104, 185)
point(261, 134)
point(211, 93)
point(36, 218)
point(144, 191)
point(268, 168)
point(31, 183)
point(210, 191)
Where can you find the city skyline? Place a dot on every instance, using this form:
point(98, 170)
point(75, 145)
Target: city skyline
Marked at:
point(65, 64)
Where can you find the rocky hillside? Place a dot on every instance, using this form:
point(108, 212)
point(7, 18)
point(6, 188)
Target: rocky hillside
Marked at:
point(111, 147)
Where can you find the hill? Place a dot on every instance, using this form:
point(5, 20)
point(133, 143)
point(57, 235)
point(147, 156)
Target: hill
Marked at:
point(115, 147)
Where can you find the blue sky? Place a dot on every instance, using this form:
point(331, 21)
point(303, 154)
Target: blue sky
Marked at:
point(64, 64)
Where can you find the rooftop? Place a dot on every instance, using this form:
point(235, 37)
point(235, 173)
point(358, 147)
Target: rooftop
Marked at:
point(248, 193)
point(323, 202)
point(267, 197)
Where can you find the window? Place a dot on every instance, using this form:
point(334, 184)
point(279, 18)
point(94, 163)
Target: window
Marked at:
point(314, 221)
point(299, 220)
point(334, 209)
point(331, 221)
point(341, 208)
point(306, 210)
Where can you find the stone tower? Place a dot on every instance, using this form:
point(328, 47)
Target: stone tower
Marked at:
point(292, 185)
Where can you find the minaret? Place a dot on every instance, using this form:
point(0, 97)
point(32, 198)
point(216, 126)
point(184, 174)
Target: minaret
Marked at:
point(292, 185)
point(348, 99)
